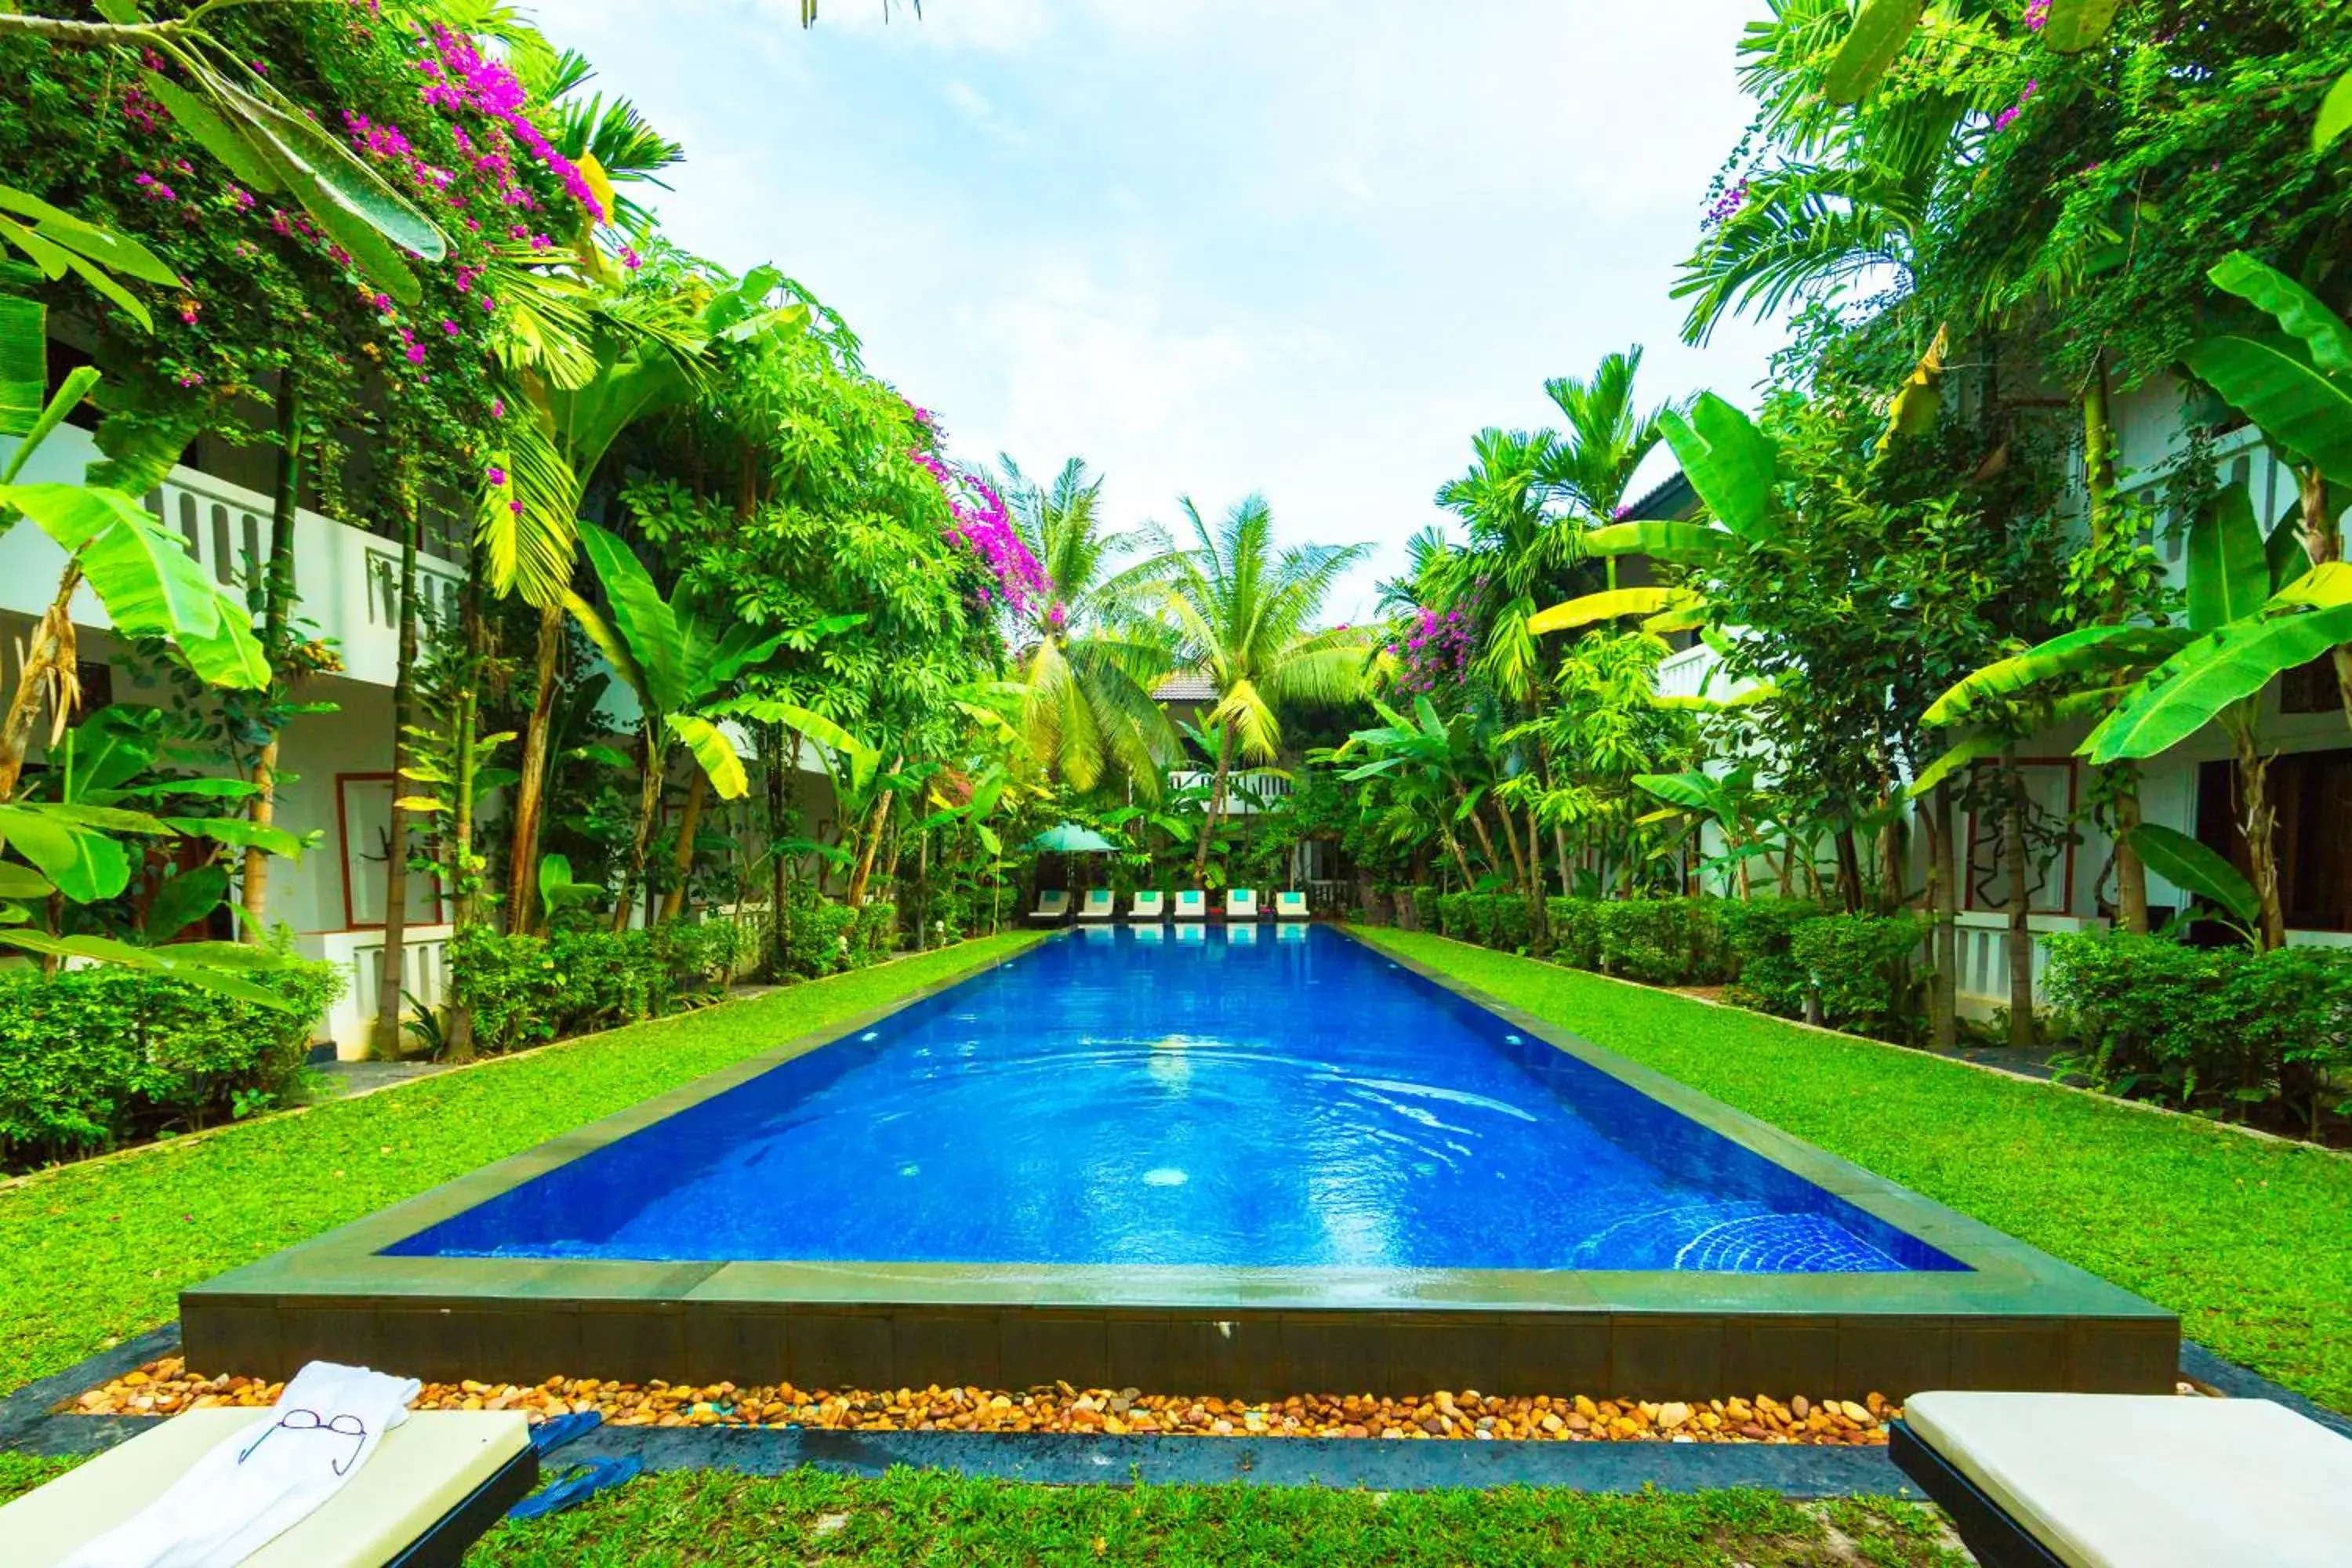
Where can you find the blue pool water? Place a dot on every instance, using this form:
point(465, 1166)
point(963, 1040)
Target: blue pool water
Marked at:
point(1254, 1099)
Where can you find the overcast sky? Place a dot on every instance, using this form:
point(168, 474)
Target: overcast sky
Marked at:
point(1212, 246)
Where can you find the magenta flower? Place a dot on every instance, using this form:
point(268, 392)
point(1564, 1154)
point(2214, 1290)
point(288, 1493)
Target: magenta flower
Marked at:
point(498, 476)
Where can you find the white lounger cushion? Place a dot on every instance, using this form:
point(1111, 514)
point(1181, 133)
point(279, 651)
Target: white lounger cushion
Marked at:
point(2149, 1481)
point(422, 1469)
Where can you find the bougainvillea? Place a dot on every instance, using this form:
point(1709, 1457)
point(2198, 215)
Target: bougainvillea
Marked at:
point(984, 524)
point(1434, 650)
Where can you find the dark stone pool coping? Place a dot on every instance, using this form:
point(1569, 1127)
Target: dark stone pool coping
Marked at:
point(2016, 1319)
point(29, 1425)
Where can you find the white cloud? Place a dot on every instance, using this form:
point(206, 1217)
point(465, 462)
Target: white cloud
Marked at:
point(1213, 245)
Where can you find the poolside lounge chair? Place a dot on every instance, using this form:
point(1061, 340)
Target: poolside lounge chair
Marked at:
point(1148, 909)
point(1193, 905)
point(1097, 907)
point(1052, 908)
point(2090, 1480)
point(433, 1486)
point(1240, 904)
point(1292, 906)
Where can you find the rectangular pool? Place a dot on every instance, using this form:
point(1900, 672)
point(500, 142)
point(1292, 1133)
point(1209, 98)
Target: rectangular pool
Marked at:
point(1259, 1100)
point(1257, 1160)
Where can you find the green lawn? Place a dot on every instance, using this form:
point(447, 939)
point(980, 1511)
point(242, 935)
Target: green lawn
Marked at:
point(910, 1517)
point(706, 1518)
point(2249, 1241)
point(96, 1253)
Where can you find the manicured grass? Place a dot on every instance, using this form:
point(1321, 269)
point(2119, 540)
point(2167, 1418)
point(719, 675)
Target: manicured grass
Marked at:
point(708, 1519)
point(911, 1516)
point(96, 1253)
point(2249, 1241)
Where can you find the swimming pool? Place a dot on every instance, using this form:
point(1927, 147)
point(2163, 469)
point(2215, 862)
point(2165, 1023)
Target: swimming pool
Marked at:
point(1247, 1097)
point(1252, 1161)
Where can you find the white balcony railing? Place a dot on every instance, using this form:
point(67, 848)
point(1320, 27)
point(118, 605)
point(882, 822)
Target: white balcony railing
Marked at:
point(1984, 957)
point(1243, 797)
point(349, 579)
point(359, 954)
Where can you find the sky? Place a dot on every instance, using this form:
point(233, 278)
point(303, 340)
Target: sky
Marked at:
point(1212, 246)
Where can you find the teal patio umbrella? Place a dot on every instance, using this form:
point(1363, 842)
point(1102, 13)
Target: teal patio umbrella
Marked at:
point(1071, 839)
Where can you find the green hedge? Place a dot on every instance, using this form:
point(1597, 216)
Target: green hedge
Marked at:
point(525, 991)
point(1658, 941)
point(1490, 920)
point(2209, 1028)
point(1865, 970)
point(1758, 937)
point(95, 1058)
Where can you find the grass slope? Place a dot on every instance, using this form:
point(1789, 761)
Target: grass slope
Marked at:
point(97, 1252)
point(2249, 1241)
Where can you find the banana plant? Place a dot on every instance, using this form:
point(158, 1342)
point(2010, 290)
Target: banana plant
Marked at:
point(2219, 679)
point(1883, 31)
point(57, 242)
point(676, 657)
point(1735, 468)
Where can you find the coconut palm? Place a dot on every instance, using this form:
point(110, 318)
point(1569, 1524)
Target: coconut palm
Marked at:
point(1244, 616)
point(1608, 437)
point(1089, 652)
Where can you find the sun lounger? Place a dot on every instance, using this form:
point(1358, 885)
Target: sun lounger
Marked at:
point(2147, 1481)
point(1098, 905)
point(1193, 905)
point(1148, 909)
point(1291, 907)
point(1052, 908)
point(1240, 904)
point(432, 1487)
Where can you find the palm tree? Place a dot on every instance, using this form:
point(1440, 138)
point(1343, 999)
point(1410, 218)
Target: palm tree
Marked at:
point(1244, 616)
point(1607, 440)
point(1091, 653)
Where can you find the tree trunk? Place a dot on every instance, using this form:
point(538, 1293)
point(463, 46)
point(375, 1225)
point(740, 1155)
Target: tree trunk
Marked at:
point(2021, 906)
point(530, 790)
point(2323, 542)
point(1216, 799)
point(869, 843)
point(276, 609)
point(923, 891)
point(1944, 893)
point(779, 870)
point(2131, 871)
point(689, 823)
point(385, 1042)
point(48, 678)
point(2257, 819)
point(1454, 843)
point(649, 793)
point(1849, 869)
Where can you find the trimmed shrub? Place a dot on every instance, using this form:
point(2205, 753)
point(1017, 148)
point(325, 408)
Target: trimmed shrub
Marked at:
point(2220, 1028)
point(1758, 934)
point(817, 939)
point(1490, 920)
point(95, 1058)
point(1575, 930)
point(1863, 969)
point(1659, 942)
point(1421, 901)
point(873, 934)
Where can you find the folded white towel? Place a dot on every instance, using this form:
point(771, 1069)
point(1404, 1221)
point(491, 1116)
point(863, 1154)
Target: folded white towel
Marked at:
point(265, 1481)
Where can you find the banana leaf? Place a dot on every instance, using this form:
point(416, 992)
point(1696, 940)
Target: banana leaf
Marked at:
point(714, 752)
point(1880, 32)
point(2074, 25)
point(2273, 380)
point(1731, 464)
point(2074, 653)
point(2229, 566)
point(1677, 544)
point(1614, 605)
point(2191, 689)
point(2190, 866)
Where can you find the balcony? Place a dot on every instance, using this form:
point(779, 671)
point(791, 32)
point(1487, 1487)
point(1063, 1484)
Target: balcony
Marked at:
point(349, 579)
point(1243, 797)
